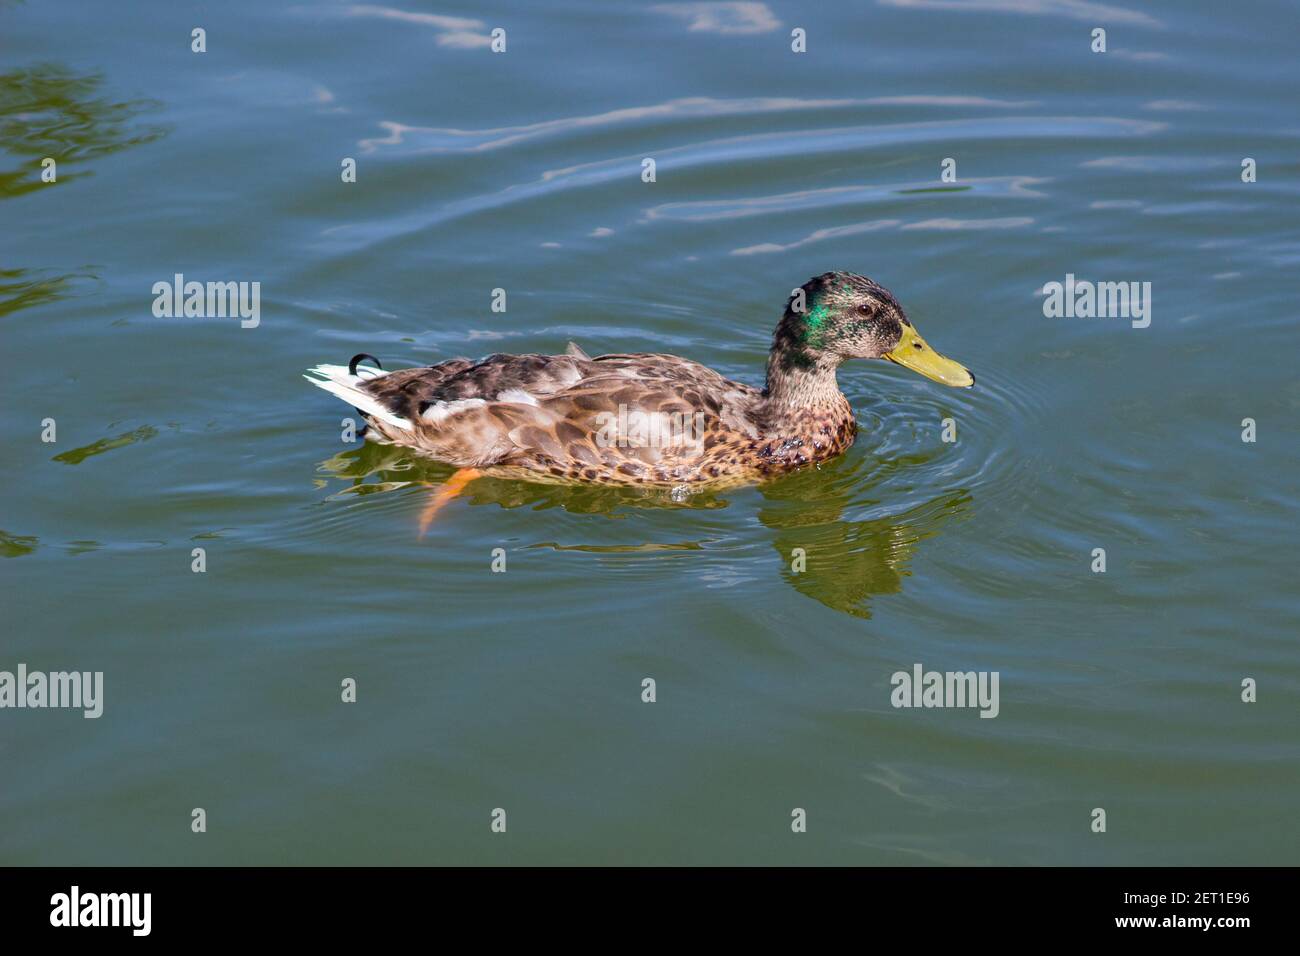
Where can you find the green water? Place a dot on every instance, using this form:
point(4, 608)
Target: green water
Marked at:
point(522, 690)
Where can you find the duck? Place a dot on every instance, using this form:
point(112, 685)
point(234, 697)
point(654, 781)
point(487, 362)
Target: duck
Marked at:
point(640, 418)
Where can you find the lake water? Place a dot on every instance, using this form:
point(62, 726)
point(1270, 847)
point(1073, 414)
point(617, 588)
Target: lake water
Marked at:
point(475, 170)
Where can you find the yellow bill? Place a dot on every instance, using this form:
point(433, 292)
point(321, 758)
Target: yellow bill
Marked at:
point(913, 352)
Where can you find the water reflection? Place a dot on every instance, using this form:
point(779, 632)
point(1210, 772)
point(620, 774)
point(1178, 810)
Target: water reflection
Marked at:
point(847, 561)
point(47, 110)
point(404, 138)
point(15, 545)
point(728, 19)
point(1083, 10)
point(373, 468)
point(23, 288)
point(77, 455)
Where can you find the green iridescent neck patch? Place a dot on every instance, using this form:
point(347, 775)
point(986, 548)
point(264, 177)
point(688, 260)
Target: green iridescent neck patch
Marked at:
point(813, 325)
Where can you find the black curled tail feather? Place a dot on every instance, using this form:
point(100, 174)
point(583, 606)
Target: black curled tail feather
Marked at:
point(352, 370)
point(352, 364)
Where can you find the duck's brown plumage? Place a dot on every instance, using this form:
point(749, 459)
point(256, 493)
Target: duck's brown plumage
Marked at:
point(592, 419)
point(644, 418)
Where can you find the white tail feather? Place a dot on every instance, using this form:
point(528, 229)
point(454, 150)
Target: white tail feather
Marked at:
point(339, 381)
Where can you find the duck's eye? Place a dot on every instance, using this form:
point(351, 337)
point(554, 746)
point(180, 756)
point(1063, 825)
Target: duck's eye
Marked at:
point(866, 308)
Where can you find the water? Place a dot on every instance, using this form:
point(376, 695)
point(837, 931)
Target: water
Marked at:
point(522, 690)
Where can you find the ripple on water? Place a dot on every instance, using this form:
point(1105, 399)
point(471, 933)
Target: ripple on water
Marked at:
point(992, 457)
point(698, 157)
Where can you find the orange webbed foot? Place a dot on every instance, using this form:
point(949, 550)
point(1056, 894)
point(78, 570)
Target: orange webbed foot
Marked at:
point(443, 495)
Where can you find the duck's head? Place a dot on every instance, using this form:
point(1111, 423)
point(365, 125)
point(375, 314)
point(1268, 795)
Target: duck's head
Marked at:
point(841, 315)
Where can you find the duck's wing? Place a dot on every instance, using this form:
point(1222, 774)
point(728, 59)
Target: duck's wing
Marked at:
point(647, 416)
point(672, 383)
point(418, 393)
point(637, 417)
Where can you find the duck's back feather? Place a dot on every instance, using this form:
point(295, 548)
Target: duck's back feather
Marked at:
point(627, 418)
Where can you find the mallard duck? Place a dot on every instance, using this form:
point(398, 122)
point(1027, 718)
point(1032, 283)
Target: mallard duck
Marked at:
point(641, 418)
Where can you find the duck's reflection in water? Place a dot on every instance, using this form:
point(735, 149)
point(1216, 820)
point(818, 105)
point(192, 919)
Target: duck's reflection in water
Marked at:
point(842, 562)
point(838, 561)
